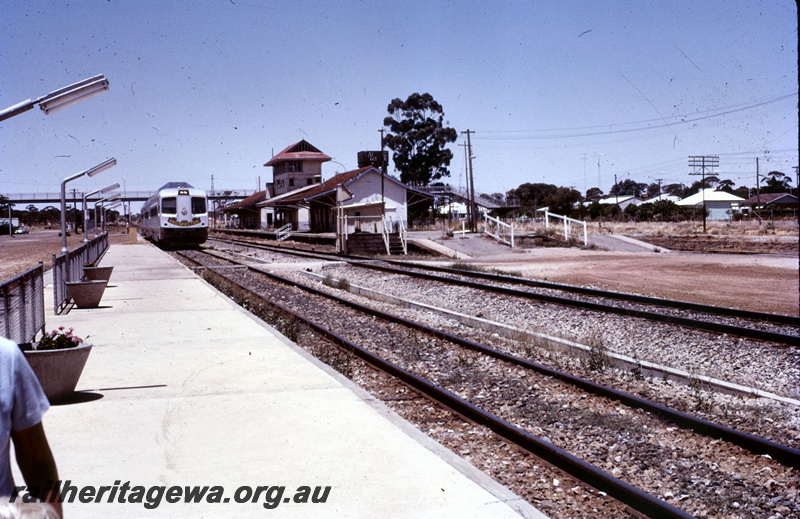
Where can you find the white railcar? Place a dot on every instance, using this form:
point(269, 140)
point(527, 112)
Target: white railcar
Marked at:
point(177, 215)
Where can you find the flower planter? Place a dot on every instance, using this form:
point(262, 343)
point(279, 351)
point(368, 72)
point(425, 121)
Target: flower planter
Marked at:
point(86, 294)
point(58, 371)
point(97, 273)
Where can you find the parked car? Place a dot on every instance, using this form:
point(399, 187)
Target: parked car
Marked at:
point(21, 230)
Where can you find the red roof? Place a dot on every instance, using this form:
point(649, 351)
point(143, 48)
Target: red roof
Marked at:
point(249, 201)
point(771, 198)
point(298, 151)
point(328, 185)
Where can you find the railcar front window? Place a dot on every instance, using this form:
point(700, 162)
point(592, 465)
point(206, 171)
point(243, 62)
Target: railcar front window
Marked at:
point(198, 205)
point(169, 205)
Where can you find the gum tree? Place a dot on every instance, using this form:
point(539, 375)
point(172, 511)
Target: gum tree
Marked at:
point(418, 138)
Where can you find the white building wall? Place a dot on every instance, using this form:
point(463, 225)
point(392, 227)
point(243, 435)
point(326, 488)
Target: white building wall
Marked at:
point(367, 189)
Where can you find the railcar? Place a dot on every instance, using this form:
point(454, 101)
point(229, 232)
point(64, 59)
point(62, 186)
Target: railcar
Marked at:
point(176, 216)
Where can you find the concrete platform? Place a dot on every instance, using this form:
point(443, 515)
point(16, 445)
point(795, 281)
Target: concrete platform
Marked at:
point(184, 388)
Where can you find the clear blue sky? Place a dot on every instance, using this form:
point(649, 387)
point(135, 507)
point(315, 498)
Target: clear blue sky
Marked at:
point(551, 88)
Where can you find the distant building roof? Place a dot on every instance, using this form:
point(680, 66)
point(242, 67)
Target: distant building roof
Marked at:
point(710, 194)
point(661, 198)
point(771, 199)
point(299, 151)
point(611, 200)
point(250, 201)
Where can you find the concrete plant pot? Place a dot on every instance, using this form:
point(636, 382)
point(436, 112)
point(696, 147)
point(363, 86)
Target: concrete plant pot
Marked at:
point(97, 273)
point(86, 294)
point(58, 371)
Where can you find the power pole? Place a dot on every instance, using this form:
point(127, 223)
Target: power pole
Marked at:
point(466, 180)
point(214, 203)
point(383, 175)
point(758, 186)
point(473, 218)
point(659, 185)
point(703, 162)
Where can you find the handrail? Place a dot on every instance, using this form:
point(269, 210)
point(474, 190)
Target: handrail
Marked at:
point(385, 233)
point(403, 237)
point(69, 267)
point(284, 232)
point(567, 225)
point(498, 235)
point(389, 227)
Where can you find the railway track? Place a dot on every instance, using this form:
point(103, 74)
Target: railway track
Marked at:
point(465, 406)
point(773, 328)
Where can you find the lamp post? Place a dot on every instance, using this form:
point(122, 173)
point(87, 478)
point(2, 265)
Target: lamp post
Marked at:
point(61, 98)
point(113, 197)
point(86, 210)
point(89, 172)
point(106, 208)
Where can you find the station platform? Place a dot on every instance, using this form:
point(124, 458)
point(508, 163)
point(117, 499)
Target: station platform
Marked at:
point(185, 389)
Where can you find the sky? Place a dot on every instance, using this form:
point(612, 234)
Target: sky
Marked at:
point(567, 92)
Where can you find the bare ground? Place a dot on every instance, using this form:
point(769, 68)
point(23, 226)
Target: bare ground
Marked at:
point(24, 251)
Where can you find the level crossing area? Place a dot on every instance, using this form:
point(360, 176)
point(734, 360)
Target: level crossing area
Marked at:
point(190, 406)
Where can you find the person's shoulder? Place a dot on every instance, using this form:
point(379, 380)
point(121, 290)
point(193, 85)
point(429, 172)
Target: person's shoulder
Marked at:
point(7, 346)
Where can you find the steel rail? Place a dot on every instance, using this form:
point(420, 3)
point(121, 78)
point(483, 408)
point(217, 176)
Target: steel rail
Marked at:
point(755, 444)
point(759, 446)
point(750, 333)
point(668, 303)
point(624, 492)
point(636, 298)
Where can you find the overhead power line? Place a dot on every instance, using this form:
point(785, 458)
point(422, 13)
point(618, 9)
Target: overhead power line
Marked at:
point(645, 125)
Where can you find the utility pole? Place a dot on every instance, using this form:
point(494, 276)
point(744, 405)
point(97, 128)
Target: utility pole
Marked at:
point(659, 185)
point(473, 218)
point(703, 162)
point(215, 200)
point(383, 176)
point(758, 186)
point(466, 180)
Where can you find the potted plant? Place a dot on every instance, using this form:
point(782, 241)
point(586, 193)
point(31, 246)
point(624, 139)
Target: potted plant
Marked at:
point(58, 360)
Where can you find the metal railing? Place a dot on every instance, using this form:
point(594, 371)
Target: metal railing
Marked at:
point(390, 227)
point(22, 306)
point(500, 231)
point(69, 267)
point(284, 232)
point(567, 225)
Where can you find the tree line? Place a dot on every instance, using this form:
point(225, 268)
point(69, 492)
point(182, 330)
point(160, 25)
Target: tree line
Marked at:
point(418, 138)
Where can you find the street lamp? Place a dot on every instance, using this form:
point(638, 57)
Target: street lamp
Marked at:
point(112, 197)
point(61, 98)
point(89, 172)
point(117, 203)
point(86, 210)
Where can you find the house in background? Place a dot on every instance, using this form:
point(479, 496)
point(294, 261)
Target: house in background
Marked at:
point(661, 198)
point(770, 201)
point(720, 205)
point(622, 201)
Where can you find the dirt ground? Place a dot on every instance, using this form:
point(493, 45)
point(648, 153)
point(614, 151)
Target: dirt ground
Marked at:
point(756, 282)
point(24, 251)
point(766, 282)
